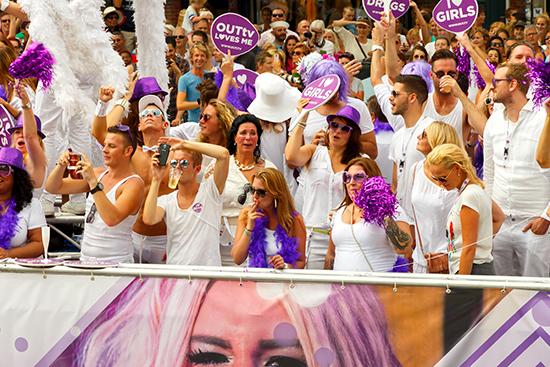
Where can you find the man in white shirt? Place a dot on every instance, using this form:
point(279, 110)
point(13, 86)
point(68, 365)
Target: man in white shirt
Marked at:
point(513, 179)
point(318, 41)
point(193, 212)
point(278, 15)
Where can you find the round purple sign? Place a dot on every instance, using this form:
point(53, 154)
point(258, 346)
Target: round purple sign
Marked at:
point(242, 76)
point(455, 16)
point(233, 32)
point(320, 91)
point(374, 8)
point(5, 124)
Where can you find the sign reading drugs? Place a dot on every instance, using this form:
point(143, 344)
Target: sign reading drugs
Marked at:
point(242, 76)
point(233, 32)
point(321, 91)
point(456, 16)
point(375, 8)
point(5, 124)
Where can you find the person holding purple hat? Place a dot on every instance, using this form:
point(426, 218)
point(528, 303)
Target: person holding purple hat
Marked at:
point(322, 188)
point(21, 216)
point(27, 137)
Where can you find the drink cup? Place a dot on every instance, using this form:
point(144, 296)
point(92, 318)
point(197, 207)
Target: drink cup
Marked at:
point(175, 175)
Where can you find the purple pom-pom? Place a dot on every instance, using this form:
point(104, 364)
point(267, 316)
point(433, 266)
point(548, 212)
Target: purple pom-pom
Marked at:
point(376, 200)
point(540, 80)
point(479, 79)
point(463, 61)
point(401, 265)
point(36, 62)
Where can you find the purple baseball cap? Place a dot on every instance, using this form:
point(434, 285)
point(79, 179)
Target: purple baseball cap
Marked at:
point(145, 86)
point(347, 112)
point(19, 124)
point(11, 156)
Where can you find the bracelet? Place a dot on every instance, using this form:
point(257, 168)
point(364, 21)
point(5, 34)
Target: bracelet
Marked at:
point(376, 47)
point(302, 124)
point(286, 266)
point(18, 115)
point(4, 5)
point(101, 109)
point(123, 103)
point(246, 233)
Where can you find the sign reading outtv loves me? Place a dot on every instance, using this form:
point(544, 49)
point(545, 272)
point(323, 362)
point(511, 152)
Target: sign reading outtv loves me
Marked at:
point(233, 32)
point(375, 8)
point(455, 16)
point(321, 91)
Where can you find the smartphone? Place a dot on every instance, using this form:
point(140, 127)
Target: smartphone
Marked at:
point(163, 151)
point(73, 160)
point(276, 58)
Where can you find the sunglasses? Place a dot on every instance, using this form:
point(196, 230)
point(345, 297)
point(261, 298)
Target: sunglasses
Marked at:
point(204, 116)
point(443, 179)
point(395, 94)
point(248, 188)
point(180, 37)
point(112, 16)
point(345, 129)
point(183, 163)
point(297, 53)
point(144, 113)
point(261, 192)
point(497, 44)
point(359, 177)
point(441, 74)
point(5, 21)
point(126, 129)
point(277, 15)
point(91, 215)
point(495, 81)
point(5, 170)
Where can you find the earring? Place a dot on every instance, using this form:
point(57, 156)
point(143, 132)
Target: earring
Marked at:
point(235, 143)
point(275, 204)
point(459, 175)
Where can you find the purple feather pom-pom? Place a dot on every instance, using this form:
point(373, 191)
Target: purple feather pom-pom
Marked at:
point(463, 61)
point(479, 79)
point(36, 62)
point(376, 200)
point(540, 80)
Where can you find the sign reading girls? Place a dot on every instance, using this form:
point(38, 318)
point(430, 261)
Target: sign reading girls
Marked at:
point(375, 8)
point(233, 32)
point(456, 16)
point(321, 91)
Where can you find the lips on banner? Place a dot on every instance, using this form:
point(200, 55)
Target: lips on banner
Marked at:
point(321, 91)
point(374, 8)
point(456, 16)
point(233, 32)
point(242, 76)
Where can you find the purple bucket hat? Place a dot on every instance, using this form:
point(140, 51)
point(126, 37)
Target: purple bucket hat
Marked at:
point(19, 124)
point(11, 156)
point(145, 86)
point(347, 112)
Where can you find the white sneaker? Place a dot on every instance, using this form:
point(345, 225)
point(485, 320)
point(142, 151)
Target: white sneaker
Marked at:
point(74, 208)
point(47, 206)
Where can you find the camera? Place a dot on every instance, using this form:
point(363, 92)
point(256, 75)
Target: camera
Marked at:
point(308, 34)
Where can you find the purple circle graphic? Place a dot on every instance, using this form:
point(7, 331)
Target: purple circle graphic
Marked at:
point(324, 357)
point(285, 334)
point(21, 344)
point(455, 16)
point(233, 32)
point(5, 124)
point(374, 8)
point(321, 91)
point(244, 75)
point(541, 312)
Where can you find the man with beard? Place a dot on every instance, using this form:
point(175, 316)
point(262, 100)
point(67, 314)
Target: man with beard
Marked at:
point(279, 33)
point(513, 178)
point(278, 15)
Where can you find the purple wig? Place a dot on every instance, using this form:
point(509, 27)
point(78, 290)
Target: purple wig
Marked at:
point(422, 69)
point(327, 67)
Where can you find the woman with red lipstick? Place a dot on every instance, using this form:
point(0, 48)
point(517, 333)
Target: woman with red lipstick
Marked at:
point(325, 165)
point(270, 231)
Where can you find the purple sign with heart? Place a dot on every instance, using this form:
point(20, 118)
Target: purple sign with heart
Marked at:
point(233, 32)
point(5, 123)
point(321, 91)
point(374, 8)
point(242, 76)
point(455, 16)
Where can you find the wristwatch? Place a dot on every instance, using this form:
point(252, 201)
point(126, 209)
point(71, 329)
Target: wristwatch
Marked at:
point(26, 106)
point(99, 187)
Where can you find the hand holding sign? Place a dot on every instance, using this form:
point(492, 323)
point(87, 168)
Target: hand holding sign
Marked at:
point(321, 91)
point(375, 8)
point(244, 75)
point(234, 32)
point(456, 16)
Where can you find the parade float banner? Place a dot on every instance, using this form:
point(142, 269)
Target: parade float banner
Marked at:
point(242, 76)
point(72, 321)
point(233, 32)
point(375, 8)
point(5, 124)
point(455, 16)
point(321, 91)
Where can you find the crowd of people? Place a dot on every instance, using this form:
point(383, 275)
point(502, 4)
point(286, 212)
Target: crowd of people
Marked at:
point(217, 173)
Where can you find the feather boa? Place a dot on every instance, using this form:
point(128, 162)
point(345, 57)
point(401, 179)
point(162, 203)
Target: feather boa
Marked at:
point(149, 21)
point(539, 73)
point(288, 246)
point(376, 200)
point(479, 160)
point(70, 30)
point(8, 224)
point(381, 126)
point(232, 95)
point(463, 61)
point(401, 265)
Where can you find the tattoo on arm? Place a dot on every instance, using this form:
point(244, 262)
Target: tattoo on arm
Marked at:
point(399, 238)
point(329, 262)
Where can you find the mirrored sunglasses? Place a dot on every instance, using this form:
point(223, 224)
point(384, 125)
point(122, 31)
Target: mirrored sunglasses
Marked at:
point(359, 177)
point(5, 170)
point(183, 163)
point(144, 113)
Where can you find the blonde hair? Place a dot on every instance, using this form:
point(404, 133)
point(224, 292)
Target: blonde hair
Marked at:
point(268, 47)
point(441, 133)
point(281, 53)
point(276, 186)
point(201, 47)
point(450, 155)
point(335, 40)
point(225, 119)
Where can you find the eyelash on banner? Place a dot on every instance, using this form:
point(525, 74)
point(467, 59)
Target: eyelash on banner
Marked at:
point(206, 358)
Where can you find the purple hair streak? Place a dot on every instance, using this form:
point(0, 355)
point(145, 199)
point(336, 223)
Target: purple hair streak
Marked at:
point(327, 67)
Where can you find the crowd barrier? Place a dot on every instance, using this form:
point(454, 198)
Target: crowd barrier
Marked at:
point(151, 315)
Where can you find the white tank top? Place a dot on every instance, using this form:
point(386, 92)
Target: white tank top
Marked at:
point(104, 242)
point(454, 118)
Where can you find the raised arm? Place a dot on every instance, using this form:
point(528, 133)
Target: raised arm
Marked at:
point(99, 127)
point(479, 57)
point(15, 10)
point(227, 71)
point(392, 67)
point(543, 149)
point(426, 36)
point(376, 72)
point(56, 184)
point(296, 154)
point(152, 213)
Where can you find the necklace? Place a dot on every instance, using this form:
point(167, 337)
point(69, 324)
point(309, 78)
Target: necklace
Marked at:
point(241, 166)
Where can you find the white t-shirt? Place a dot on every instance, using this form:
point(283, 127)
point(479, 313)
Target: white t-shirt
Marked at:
point(30, 217)
point(454, 118)
point(351, 43)
point(194, 233)
point(476, 198)
point(187, 23)
point(357, 85)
